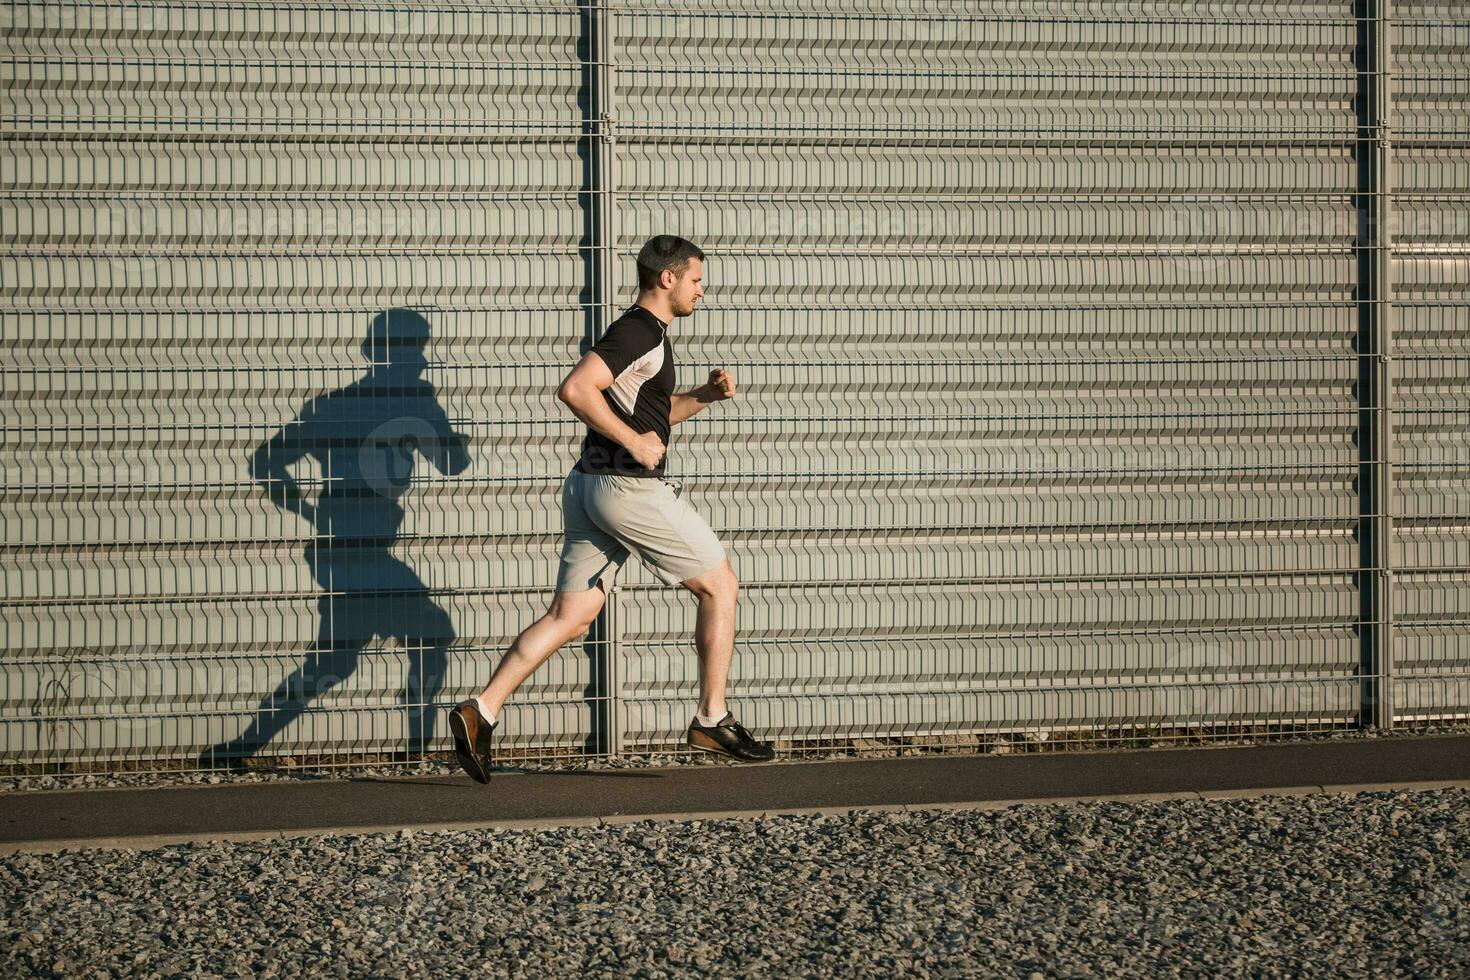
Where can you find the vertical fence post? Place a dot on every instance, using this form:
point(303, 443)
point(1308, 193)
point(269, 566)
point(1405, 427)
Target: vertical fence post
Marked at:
point(601, 183)
point(1374, 208)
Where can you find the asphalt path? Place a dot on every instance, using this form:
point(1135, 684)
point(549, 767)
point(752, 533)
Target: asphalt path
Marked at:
point(153, 816)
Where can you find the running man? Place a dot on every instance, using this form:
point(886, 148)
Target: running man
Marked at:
point(616, 501)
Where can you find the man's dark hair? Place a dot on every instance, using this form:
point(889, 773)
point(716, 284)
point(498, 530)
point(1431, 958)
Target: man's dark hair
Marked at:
point(664, 252)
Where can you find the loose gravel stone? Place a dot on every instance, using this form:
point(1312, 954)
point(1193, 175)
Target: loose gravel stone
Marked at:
point(1358, 885)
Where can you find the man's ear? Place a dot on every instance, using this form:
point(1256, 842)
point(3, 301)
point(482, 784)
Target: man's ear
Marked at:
point(669, 282)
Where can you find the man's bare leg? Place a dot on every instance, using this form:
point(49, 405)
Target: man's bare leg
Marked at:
point(714, 634)
point(569, 616)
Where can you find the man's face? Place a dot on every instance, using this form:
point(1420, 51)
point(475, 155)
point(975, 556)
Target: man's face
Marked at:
point(687, 289)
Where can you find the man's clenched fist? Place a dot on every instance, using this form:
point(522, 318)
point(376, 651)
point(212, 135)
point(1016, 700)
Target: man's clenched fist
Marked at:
point(722, 384)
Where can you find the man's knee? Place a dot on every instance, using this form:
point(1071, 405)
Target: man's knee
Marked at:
point(719, 581)
point(577, 610)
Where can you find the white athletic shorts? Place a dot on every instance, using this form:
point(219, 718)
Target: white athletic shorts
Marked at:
point(609, 516)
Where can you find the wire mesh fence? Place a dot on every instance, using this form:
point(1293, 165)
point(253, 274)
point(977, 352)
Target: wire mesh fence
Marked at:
point(1103, 369)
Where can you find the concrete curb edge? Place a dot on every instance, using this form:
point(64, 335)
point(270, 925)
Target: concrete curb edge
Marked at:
point(155, 841)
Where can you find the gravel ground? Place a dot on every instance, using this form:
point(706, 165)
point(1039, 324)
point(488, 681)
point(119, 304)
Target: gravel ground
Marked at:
point(446, 766)
point(1363, 885)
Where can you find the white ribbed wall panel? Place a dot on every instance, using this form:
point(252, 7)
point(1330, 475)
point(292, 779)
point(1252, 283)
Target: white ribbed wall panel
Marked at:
point(1043, 318)
point(1042, 314)
point(1432, 360)
point(206, 207)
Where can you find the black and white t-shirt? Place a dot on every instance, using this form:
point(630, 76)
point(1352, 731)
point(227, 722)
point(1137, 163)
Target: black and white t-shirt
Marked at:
point(641, 359)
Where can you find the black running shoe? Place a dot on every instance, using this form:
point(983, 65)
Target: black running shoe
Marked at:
point(472, 739)
point(728, 737)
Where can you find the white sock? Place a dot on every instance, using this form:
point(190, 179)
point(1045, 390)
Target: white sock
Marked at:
point(484, 713)
point(708, 722)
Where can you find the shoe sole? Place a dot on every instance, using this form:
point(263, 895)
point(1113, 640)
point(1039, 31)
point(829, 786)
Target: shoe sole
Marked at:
point(462, 750)
point(716, 750)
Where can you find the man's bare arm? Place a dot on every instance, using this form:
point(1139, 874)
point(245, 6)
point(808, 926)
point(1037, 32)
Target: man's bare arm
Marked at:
point(581, 391)
point(690, 403)
point(720, 386)
point(590, 407)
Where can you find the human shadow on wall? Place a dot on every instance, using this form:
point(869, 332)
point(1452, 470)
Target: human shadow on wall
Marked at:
point(364, 438)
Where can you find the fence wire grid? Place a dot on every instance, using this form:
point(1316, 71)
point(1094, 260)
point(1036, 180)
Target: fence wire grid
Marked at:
point(1103, 367)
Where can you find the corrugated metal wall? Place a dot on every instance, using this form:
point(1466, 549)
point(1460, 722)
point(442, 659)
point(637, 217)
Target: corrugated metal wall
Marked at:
point(1045, 317)
point(1042, 314)
point(208, 209)
point(1431, 387)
